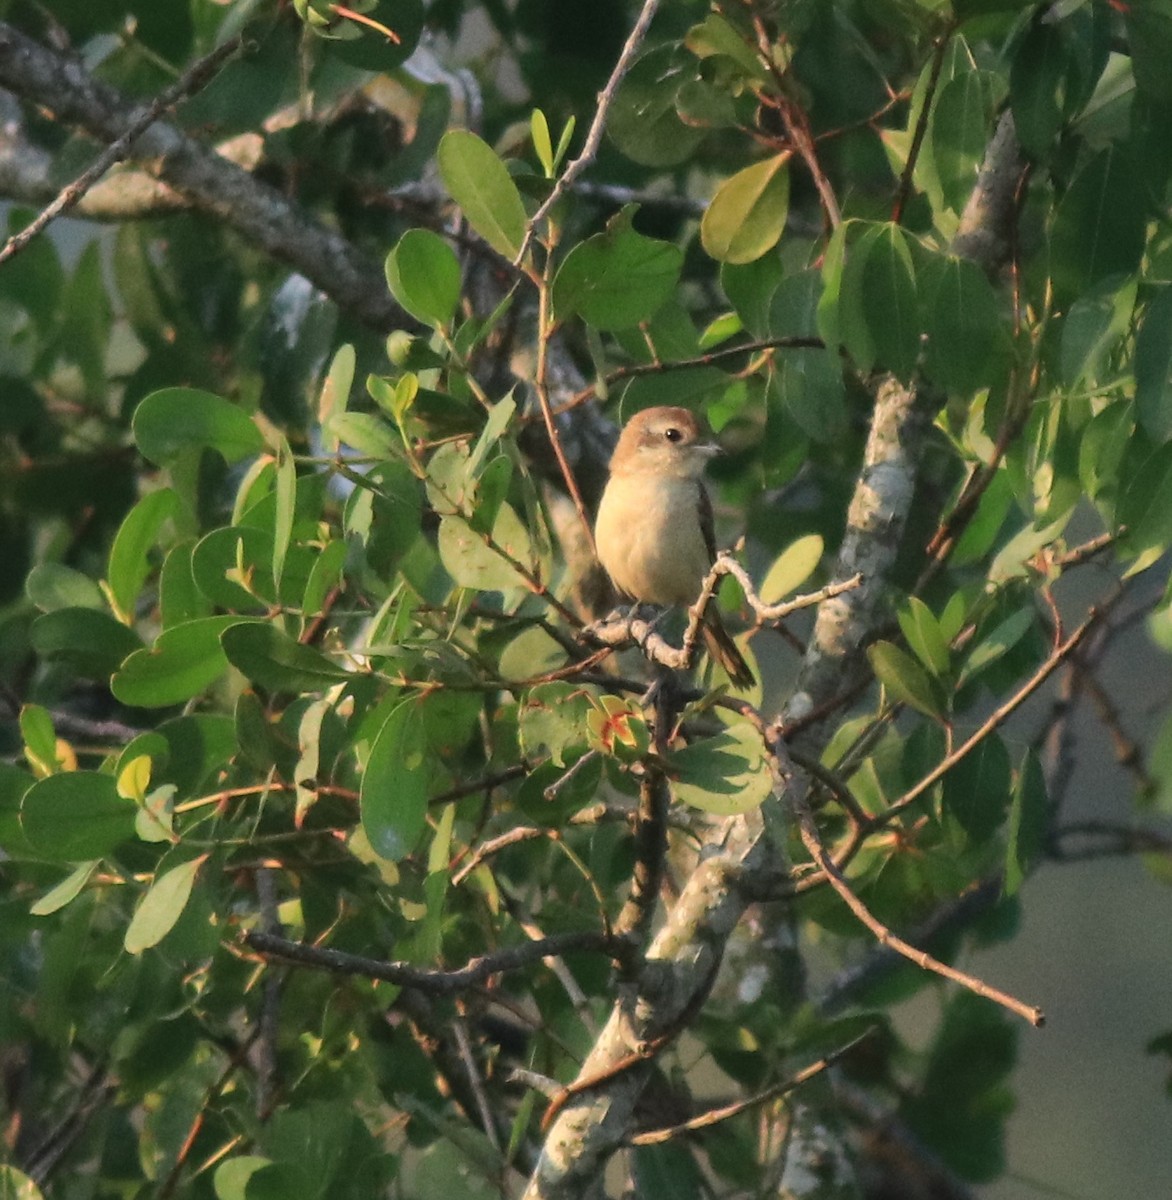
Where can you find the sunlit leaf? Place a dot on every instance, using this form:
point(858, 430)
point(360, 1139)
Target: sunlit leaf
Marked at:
point(129, 566)
point(481, 185)
point(162, 906)
point(792, 567)
point(725, 775)
point(424, 276)
point(747, 215)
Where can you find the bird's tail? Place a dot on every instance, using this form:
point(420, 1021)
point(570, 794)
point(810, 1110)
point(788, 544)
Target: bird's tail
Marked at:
point(724, 650)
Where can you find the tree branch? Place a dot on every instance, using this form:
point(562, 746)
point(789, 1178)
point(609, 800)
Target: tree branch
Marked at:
point(198, 75)
point(212, 183)
point(473, 973)
point(597, 127)
point(885, 937)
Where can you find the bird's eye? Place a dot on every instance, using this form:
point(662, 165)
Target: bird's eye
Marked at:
point(672, 434)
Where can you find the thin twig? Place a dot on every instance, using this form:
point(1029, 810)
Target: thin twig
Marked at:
point(834, 784)
point(1077, 555)
point(634, 370)
point(475, 1082)
point(597, 126)
point(655, 1137)
point(797, 126)
point(438, 982)
point(545, 324)
point(195, 77)
point(1114, 840)
point(836, 879)
point(905, 180)
point(996, 718)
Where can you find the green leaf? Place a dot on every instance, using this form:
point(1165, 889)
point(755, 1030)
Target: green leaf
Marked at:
point(162, 906)
point(746, 216)
point(92, 642)
point(725, 775)
point(905, 679)
point(1153, 367)
point(15, 1185)
point(272, 659)
point(553, 719)
point(1149, 37)
point(39, 737)
point(486, 564)
point(232, 1175)
point(889, 302)
point(179, 596)
point(396, 782)
point(499, 418)
point(13, 784)
point(997, 644)
point(326, 574)
point(1145, 504)
point(155, 821)
point(1029, 818)
point(976, 790)
point(617, 278)
point(229, 558)
point(750, 288)
point(370, 435)
point(286, 504)
point(968, 345)
point(423, 274)
point(807, 386)
point(129, 566)
point(483, 188)
point(170, 421)
point(532, 652)
point(184, 661)
point(542, 144)
point(1094, 327)
point(1037, 86)
point(643, 121)
point(1099, 226)
point(51, 586)
point(923, 634)
point(961, 1108)
point(66, 891)
point(75, 816)
point(335, 392)
point(792, 567)
point(962, 119)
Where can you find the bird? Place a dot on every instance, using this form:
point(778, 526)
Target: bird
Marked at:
point(654, 531)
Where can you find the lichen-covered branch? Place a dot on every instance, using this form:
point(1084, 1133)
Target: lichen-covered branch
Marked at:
point(874, 532)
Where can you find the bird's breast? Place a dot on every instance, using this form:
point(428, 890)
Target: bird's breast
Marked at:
point(650, 539)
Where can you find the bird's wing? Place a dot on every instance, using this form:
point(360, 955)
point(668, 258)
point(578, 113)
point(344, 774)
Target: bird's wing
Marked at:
point(707, 526)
